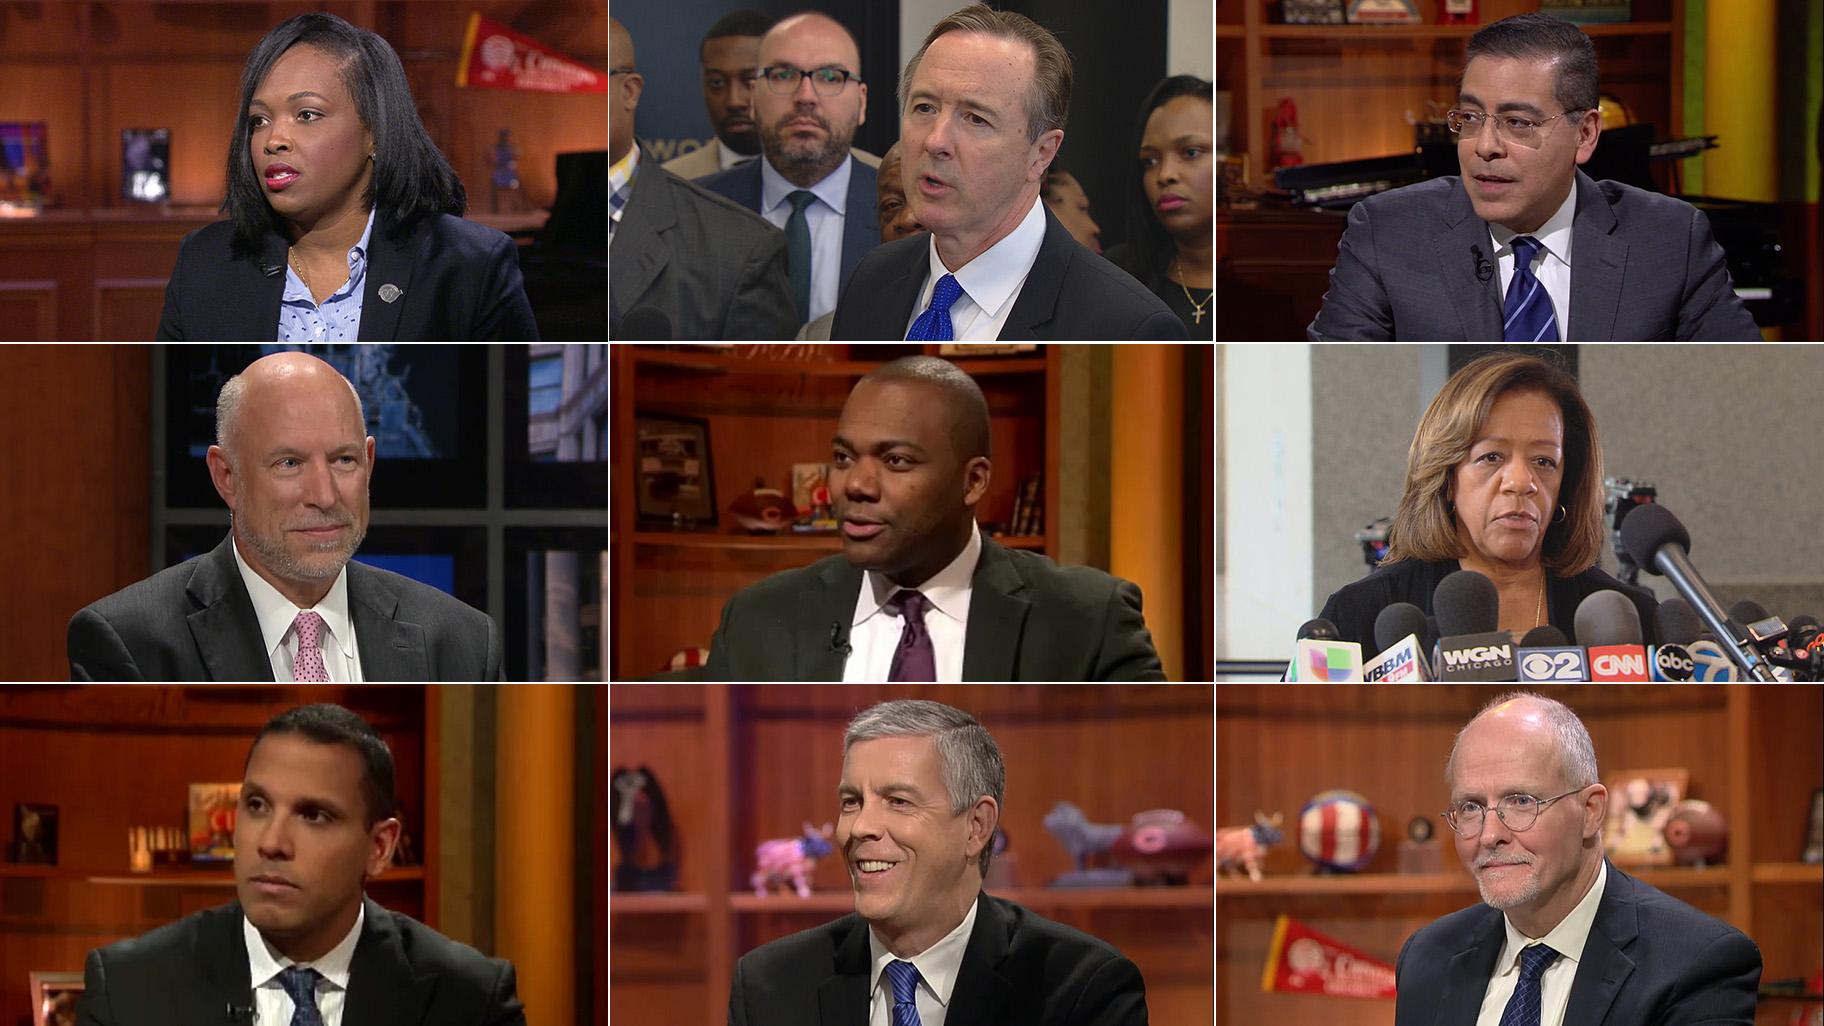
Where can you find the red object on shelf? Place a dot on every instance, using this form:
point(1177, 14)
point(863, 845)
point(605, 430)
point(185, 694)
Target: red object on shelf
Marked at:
point(1459, 12)
point(1287, 151)
point(1304, 961)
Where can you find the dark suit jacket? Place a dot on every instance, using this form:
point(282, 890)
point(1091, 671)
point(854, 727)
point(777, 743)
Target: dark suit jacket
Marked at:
point(1070, 294)
point(195, 622)
point(1029, 620)
point(1354, 606)
point(860, 225)
point(1018, 970)
point(1650, 960)
point(715, 269)
point(459, 282)
point(1644, 268)
point(403, 974)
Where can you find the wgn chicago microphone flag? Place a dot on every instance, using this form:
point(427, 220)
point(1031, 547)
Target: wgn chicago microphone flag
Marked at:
point(1302, 961)
point(496, 57)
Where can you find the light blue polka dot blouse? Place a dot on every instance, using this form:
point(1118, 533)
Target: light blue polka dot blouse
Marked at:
point(336, 319)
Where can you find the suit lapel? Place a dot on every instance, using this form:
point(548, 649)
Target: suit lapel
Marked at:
point(383, 990)
point(1037, 301)
point(259, 318)
point(391, 649)
point(1601, 262)
point(842, 999)
point(859, 231)
point(981, 993)
point(831, 605)
point(1604, 966)
point(1466, 979)
point(389, 262)
point(997, 616)
point(225, 629)
point(640, 253)
point(1477, 302)
point(221, 953)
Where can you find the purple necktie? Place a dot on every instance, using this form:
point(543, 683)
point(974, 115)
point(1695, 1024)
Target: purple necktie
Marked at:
point(307, 668)
point(914, 659)
point(904, 978)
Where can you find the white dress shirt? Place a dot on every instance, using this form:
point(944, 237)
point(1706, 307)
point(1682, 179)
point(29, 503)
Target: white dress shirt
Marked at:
point(937, 968)
point(271, 1004)
point(727, 158)
point(341, 653)
point(991, 282)
point(1552, 264)
point(874, 633)
point(1555, 984)
point(825, 217)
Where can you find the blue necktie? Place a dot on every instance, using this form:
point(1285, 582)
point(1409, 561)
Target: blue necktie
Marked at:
point(1523, 1008)
point(1527, 314)
point(904, 976)
point(934, 324)
point(798, 252)
point(301, 984)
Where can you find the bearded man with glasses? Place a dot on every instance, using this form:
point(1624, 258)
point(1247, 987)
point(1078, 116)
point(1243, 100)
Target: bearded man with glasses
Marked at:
point(1562, 937)
point(1524, 247)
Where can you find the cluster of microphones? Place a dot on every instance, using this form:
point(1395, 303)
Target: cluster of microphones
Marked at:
point(1698, 639)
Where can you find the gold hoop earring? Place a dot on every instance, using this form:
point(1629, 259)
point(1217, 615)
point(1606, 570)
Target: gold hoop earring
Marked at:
point(1562, 514)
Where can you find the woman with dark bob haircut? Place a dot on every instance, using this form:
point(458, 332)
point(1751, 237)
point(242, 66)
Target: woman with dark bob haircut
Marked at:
point(1504, 477)
point(1171, 201)
point(344, 221)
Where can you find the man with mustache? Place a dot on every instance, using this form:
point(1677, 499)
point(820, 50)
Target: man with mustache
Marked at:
point(1524, 247)
point(1562, 936)
point(919, 800)
point(301, 944)
point(809, 98)
point(730, 55)
point(919, 593)
point(279, 599)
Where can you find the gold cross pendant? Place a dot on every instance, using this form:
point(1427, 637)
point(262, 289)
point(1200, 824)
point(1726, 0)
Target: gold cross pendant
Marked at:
point(1197, 315)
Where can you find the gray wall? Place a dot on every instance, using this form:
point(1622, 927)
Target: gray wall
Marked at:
point(1366, 401)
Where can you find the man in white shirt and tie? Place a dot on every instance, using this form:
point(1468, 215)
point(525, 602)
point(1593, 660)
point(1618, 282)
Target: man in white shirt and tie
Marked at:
point(1562, 937)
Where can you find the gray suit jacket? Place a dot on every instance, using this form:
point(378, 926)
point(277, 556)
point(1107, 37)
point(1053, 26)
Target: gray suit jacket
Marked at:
point(195, 622)
point(716, 270)
point(1644, 268)
point(1029, 620)
point(697, 163)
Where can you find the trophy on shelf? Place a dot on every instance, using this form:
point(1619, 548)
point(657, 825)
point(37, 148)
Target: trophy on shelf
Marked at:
point(503, 180)
point(1162, 846)
point(34, 835)
point(1697, 834)
point(1085, 841)
point(1421, 851)
point(1339, 831)
point(788, 861)
point(1244, 846)
point(642, 830)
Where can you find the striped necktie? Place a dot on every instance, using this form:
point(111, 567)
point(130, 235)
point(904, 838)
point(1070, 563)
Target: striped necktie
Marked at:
point(1527, 314)
point(904, 977)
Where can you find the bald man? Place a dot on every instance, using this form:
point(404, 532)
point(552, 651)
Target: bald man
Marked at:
point(278, 599)
point(808, 100)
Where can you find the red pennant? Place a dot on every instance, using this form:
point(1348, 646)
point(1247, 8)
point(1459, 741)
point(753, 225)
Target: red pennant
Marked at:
point(1303, 961)
point(496, 57)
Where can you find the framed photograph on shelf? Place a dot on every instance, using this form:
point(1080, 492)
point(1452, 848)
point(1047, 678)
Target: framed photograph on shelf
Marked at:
point(1640, 803)
point(211, 821)
point(675, 480)
point(54, 997)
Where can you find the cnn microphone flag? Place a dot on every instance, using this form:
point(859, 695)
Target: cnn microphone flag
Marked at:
point(1303, 961)
point(496, 57)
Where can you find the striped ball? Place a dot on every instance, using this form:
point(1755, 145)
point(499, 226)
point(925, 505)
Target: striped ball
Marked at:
point(1339, 831)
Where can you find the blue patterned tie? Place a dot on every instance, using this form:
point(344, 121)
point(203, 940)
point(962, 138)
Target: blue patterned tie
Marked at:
point(1527, 314)
point(301, 984)
point(904, 976)
point(934, 324)
point(1523, 1008)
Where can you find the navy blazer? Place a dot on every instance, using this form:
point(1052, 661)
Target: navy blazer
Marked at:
point(458, 281)
point(1070, 294)
point(1650, 960)
point(860, 225)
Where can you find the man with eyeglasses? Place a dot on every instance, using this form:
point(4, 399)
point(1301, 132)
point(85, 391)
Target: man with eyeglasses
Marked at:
point(1524, 247)
point(1562, 937)
point(808, 99)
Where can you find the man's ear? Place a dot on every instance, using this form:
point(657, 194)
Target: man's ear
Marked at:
point(222, 475)
point(976, 475)
point(1595, 812)
point(382, 839)
point(984, 816)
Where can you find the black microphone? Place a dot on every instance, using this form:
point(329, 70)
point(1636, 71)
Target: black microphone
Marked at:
point(1466, 603)
point(645, 324)
point(1748, 611)
point(1319, 629)
point(839, 639)
point(1676, 623)
point(272, 270)
point(1658, 543)
point(240, 1013)
point(1484, 269)
point(1607, 618)
point(1394, 623)
point(1471, 647)
point(1544, 636)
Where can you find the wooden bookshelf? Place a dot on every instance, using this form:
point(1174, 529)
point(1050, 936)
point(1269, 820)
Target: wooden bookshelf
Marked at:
point(1753, 752)
point(743, 763)
point(764, 415)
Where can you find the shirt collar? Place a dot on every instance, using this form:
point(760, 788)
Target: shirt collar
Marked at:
point(622, 172)
point(357, 270)
point(276, 612)
point(937, 965)
point(266, 964)
point(727, 158)
point(1554, 235)
point(1567, 938)
point(833, 190)
point(992, 279)
point(947, 590)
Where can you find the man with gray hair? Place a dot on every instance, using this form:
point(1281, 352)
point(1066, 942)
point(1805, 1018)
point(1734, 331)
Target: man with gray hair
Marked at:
point(920, 798)
point(279, 599)
point(1561, 936)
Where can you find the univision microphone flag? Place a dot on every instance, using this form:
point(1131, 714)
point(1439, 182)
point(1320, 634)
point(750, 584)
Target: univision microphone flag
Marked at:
point(1302, 961)
point(496, 57)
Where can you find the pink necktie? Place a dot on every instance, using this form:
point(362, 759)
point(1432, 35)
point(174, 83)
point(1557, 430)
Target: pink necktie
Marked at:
point(308, 667)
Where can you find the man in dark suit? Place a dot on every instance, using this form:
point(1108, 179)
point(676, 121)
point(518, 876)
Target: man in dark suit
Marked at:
point(921, 792)
point(279, 599)
point(982, 108)
point(1562, 937)
point(301, 945)
point(684, 263)
point(1523, 247)
point(918, 593)
point(809, 99)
